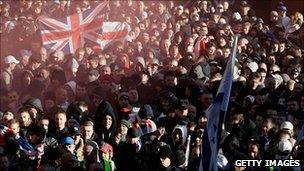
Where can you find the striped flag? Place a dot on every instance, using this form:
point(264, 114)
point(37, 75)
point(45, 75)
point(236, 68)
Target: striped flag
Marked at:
point(300, 135)
point(72, 32)
point(216, 116)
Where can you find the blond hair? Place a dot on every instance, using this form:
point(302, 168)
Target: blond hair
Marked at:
point(297, 18)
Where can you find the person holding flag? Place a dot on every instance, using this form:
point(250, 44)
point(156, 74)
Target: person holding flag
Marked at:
point(216, 117)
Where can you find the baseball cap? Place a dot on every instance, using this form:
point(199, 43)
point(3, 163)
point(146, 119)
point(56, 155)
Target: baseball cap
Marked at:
point(253, 66)
point(74, 130)
point(282, 8)
point(67, 141)
point(286, 126)
point(10, 59)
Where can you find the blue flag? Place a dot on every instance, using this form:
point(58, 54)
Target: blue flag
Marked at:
point(300, 135)
point(216, 116)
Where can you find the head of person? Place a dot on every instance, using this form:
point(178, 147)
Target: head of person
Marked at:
point(170, 79)
point(80, 90)
point(107, 122)
point(36, 134)
point(133, 95)
point(292, 105)
point(14, 125)
point(124, 126)
point(123, 99)
point(93, 75)
point(79, 54)
point(4, 162)
point(106, 151)
point(44, 123)
point(58, 78)
point(68, 144)
point(60, 120)
point(7, 115)
point(12, 96)
point(205, 99)
point(25, 117)
point(10, 62)
point(87, 130)
point(61, 95)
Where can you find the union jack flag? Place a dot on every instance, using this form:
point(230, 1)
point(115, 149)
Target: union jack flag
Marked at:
point(70, 33)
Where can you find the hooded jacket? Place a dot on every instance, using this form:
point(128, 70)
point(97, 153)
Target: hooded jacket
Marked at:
point(104, 109)
point(184, 131)
point(34, 102)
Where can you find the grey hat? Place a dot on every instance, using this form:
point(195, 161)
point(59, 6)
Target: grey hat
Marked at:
point(126, 123)
point(34, 102)
point(94, 72)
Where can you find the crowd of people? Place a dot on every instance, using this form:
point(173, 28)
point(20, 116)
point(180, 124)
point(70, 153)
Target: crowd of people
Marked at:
point(140, 104)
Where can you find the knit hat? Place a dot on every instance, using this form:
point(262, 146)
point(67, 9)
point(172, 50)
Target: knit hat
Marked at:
point(105, 148)
point(133, 132)
point(145, 112)
point(126, 123)
point(94, 72)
